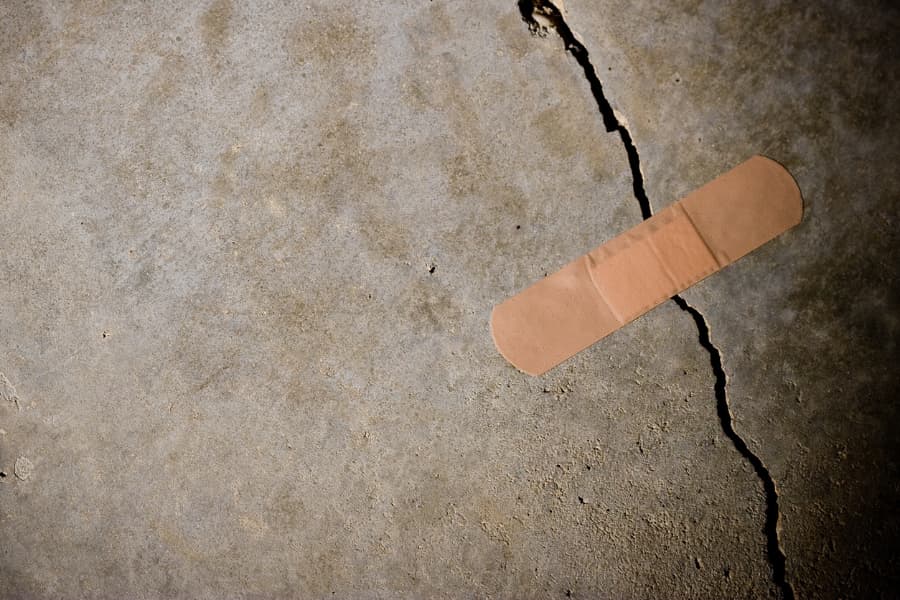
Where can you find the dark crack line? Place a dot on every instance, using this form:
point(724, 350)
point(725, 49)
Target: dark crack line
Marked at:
point(535, 11)
point(541, 16)
point(776, 556)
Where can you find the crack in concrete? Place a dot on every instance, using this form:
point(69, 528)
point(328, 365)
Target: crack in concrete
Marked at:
point(773, 514)
point(541, 16)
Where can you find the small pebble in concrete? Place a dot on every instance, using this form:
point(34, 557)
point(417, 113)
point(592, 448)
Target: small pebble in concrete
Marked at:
point(23, 468)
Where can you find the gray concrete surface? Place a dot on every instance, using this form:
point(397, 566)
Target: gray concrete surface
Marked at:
point(809, 325)
point(247, 256)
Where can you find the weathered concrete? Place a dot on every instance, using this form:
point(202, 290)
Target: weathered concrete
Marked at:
point(247, 256)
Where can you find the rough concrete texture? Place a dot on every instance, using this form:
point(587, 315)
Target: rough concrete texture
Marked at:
point(248, 252)
point(808, 326)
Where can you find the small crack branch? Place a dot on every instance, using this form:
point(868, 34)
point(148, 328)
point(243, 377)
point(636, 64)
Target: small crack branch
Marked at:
point(541, 16)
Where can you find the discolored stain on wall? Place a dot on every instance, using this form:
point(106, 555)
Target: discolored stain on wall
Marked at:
point(215, 25)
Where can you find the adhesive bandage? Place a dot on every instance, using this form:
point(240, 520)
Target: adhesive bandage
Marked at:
point(612, 285)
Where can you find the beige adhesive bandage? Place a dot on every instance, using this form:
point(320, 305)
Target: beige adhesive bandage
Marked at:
point(614, 284)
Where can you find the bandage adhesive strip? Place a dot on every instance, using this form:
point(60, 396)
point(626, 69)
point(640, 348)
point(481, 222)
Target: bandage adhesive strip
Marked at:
point(603, 290)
